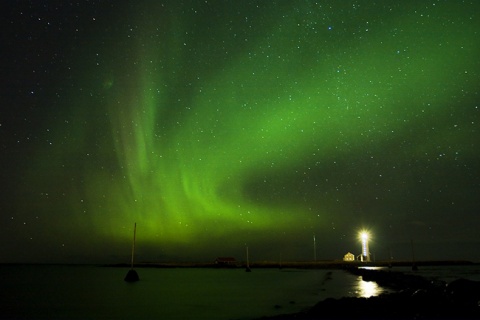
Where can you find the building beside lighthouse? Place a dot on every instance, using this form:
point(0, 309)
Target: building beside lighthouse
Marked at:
point(349, 257)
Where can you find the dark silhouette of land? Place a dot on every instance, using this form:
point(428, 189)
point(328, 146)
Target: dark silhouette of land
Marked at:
point(322, 264)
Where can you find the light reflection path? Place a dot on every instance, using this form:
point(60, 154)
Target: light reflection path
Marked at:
point(367, 289)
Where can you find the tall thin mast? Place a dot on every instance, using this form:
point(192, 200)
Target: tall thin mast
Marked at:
point(247, 269)
point(132, 275)
point(414, 265)
point(133, 245)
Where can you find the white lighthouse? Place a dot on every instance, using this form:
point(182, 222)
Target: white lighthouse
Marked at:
point(365, 256)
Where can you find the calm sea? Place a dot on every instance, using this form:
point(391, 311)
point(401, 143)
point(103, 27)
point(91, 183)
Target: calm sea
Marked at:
point(89, 292)
point(445, 273)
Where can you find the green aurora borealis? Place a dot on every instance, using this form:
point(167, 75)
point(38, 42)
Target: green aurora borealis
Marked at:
point(213, 124)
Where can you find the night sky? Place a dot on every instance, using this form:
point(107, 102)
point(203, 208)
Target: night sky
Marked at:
point(216, 125)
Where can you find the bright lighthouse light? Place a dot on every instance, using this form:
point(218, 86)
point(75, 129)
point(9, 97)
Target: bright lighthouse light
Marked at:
point(364, 235)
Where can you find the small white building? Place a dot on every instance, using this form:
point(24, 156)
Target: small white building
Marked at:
point(349, 257)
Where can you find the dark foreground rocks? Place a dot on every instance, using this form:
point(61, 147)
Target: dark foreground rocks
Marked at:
point(416, 298)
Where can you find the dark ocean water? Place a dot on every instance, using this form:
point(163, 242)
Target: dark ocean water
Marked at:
point(89, 292)
point(445, 273)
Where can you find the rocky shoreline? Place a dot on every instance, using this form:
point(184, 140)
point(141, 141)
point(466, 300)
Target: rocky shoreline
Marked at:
point(415, 298)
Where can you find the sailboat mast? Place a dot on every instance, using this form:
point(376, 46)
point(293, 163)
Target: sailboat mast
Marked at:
point(133, 245)
point(247, 269)
point(132, 275)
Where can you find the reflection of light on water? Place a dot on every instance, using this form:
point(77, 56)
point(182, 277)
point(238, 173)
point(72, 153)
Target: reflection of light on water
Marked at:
point(366, 289)
point(372, 268)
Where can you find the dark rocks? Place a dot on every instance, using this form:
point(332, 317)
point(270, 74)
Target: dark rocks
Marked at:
point(464, 291)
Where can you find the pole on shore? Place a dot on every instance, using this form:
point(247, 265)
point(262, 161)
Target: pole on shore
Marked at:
point(414, 265)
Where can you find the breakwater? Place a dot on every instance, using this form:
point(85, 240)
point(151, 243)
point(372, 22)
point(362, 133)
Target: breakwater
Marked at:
point(321, 264)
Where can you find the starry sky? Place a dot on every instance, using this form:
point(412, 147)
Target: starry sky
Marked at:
point(216, 125)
